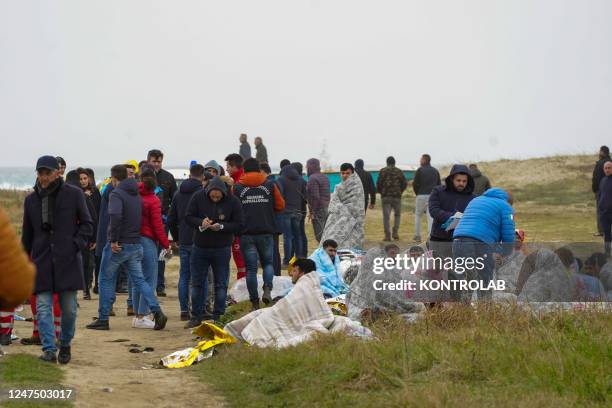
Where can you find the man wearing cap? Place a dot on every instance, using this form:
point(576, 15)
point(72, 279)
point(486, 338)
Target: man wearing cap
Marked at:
point(56, 229)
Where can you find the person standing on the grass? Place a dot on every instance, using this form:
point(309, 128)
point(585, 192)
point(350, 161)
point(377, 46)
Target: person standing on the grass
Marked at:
point(425, 179)
point(369, 188)
point(152, 235)
point(245, 147)
point(16, 279)
point(234, 168)
point(262, 153)
point(216, 216)
point(391, 184)
point(318, 194)
point(77, 179)
point(123, 247)
point(604, 206)
point(293, 189)
point(481, 182)
point(304, 210)
point(167, 184)
point(486, 228)
point(278, 222)
point(182, 233)
point(598, 175)
point(56, 229)
point(260, 199)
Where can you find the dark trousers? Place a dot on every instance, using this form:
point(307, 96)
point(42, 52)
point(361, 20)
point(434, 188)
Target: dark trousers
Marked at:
point(89, 265)
point(606, 224)
point(277, 257)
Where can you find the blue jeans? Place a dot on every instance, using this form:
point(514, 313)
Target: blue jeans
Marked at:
point(149, 271)
point(253, 246)
point(130, 302)
point(201, 260)
point(131, 256)
point(464, 247)
point(292, 236)
point(184, 277)
point(44, 315)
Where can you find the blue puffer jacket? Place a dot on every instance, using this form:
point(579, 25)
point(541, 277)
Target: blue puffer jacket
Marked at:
point(488, 218)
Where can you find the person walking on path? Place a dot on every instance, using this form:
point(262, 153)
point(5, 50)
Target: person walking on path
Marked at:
point(56, 229)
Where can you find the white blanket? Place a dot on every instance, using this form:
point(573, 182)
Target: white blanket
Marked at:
point(293, 319)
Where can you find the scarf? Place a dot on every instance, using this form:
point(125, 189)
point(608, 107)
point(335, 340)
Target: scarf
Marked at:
point(47, 197)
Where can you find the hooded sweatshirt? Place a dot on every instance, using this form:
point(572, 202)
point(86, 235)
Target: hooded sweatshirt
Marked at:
point(260, 199)
point(179, 229)
point(213, 165)
point(318, 189)
point(445, 201)
point(293, 187)
point(151, 225)
point(125, 212)
point(227, 212)
point(481, 182)
point(488, 218)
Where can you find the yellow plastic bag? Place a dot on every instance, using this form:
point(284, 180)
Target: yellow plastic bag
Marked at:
point(211, 334)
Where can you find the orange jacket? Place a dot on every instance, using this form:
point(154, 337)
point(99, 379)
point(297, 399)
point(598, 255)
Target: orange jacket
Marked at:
point(252, 179)
point(16, 271)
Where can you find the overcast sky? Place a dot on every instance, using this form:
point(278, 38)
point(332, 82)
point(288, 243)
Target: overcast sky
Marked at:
point(100, 82)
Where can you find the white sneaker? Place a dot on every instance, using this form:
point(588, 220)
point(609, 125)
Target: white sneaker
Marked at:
point(143, 323)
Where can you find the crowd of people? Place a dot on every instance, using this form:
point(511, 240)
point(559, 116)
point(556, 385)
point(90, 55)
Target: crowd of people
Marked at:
point(117, 236)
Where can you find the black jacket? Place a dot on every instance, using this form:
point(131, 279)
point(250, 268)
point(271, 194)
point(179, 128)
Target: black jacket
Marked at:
point(293, 189)
point(445, 201)
point(369, 188)
point(125, 212)
point(166, 181)
point(57, 254)
point(425, 179)
point(227, 212)
point(598, 173)
point(604, 199)
point(179, 229)
point(257, 206)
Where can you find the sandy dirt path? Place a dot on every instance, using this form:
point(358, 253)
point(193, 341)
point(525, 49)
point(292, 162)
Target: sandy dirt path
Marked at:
point(100, 365)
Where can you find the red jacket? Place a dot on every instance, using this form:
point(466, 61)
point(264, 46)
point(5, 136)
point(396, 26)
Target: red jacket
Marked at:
point(152, 226)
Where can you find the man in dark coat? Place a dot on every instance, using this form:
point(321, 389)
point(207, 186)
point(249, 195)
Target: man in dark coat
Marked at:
point(293, 189)
point(167, 184)
point(369, 188)
point(446, 200)
point(604, 206)
point(598, 174)
point(318, 196)
point(56, 229)
point(123, 247)
point(183, 233)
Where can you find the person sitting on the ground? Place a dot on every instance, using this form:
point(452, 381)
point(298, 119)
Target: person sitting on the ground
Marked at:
point(301, 267)
point(590, 273)
point(544, 278)
point(605, 275)
point(328, 267)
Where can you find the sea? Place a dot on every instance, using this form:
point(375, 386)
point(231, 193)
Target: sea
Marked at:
point(23, 178)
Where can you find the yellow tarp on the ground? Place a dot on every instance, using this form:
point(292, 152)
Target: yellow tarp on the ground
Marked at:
point(211, 336)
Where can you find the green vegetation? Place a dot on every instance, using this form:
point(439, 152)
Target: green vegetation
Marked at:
point(21, 371)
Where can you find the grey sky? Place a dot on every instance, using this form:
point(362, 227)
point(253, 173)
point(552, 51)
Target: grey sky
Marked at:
point(103, 81)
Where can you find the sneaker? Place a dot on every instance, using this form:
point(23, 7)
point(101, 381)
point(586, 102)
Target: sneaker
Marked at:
point(64, 355)
point(142, 323)
point(396, 237)
point(185, 316)
point(387, 238)
point(87, 296)
point(161, 293)
point(598, 234)
point(98, 325)
point(31, 341)
point(255, 304)
point(95, 289)
point(160, 320)
point(193, 323)
point(130, 311)
point(48, 356)
point(5, 339)
point(267, 294)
